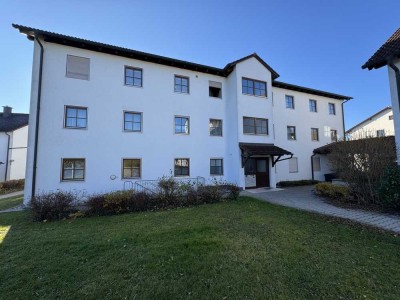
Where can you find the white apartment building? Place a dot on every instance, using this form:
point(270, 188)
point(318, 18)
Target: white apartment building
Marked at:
point(389, 55)
point(110, 115)
point(378, 125)
point(13, 144)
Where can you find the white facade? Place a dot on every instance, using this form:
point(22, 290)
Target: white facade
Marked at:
point(380, 124)
point(17, 150)
point(395, 106)
point(104, 144)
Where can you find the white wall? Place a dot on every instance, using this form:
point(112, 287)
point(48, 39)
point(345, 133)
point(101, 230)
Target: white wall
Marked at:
point(3, 154)
point(254, 106)
point(17, 155)
point(104, 143)
point(395, 107)
point(303, 120)
point(369, 127)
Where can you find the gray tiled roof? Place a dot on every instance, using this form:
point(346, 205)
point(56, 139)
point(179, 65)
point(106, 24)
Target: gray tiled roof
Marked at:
point(13, 122)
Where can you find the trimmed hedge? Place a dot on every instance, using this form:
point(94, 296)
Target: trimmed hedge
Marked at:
point(332, 191)
point(296, 183)
point(11, 185)
point(171, 194)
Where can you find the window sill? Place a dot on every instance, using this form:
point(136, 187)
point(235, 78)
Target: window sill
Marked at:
point(266, 97)
point(256, 134)
point(181, 93)
point(136, 86)
point(76, 128)
point(72, 180)
point(132, 131)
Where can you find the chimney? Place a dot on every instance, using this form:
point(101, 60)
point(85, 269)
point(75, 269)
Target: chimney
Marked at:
point(7, 111)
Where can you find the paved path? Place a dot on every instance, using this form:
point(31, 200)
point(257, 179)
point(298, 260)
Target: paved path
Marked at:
point(303, 198)
point(11, 194)
point(16, 208)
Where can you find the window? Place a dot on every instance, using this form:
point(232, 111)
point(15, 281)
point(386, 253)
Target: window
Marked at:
point(215, 127)
point(391, 117)
point(291, 133)
point(78, 67)
point(133, 76)
point(254, 87)
point(380, 133)
point(182, 125)
point(75, 117)
point(182, 167)
point(216, 166)
point(289, 101)
point(333, 135)
point(316, 161)
point(181, 84)
point(215, 89)
point(332, 109)
point(255, 126)
point(131, 168)
point(293, 166)
point(313, 105)
point(314, 134)
point(132, 121)
point(73, 169)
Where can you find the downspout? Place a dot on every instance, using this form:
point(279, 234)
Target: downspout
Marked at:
point(344, 130)
point(8, 152)
point(35, 151)
point(312, 166)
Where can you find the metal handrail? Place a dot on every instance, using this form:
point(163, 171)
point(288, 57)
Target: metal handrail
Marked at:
point(152, 186)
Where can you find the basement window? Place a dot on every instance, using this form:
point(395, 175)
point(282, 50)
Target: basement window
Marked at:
point(215, 89)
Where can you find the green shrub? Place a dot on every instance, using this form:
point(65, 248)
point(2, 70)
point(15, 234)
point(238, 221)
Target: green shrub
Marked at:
point(296, 183)
point(119, 202)
point(52, 206)
point(389, 189)
point(332, 191)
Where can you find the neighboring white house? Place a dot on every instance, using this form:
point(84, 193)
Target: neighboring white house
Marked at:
point(377, 125)
point(111, 116)
point(389, 55)
point(13, 144)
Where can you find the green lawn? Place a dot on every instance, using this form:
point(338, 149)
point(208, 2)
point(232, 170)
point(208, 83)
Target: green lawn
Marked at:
point(11, 202)
point(238, 250)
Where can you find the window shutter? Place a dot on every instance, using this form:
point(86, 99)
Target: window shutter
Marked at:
point(216, 84)
point(293, 165)
point(78, 67)
point(316, 164)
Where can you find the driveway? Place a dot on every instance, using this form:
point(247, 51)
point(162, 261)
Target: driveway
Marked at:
point(303, 198)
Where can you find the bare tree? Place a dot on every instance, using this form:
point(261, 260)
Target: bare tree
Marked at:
point(361, 163)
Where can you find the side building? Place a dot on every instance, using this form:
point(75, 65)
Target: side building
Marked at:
point(378, 125)
point(389, 55)
point(13, 144)
point(111, 116)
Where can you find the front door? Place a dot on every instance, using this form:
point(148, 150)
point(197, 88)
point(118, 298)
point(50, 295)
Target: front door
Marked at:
point(256, 172)
point(262, 172)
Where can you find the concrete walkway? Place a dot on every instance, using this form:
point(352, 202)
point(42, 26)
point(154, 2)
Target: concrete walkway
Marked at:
point(303, 198)
point(16, 208)
point(11, 194)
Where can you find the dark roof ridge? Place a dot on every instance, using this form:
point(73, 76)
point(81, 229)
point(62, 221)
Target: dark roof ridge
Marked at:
point(369, 118)
point(308, 90)
point(389, 50)
point(135, 54)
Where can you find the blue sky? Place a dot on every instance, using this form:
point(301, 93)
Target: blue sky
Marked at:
point(316, 43)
